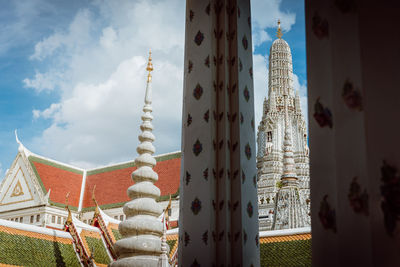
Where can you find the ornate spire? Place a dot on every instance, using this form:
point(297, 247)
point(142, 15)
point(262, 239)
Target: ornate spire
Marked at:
point(279, 32)
point(281, 69)
point(141, 231)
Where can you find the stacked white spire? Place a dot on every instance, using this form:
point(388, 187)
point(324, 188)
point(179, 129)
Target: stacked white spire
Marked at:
point(141, 231)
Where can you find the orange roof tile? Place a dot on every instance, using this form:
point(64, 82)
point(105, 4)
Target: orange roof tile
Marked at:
point(174, 239)
point(53, 238)
point(60, 179)
point(111, 185)
point(284, 238)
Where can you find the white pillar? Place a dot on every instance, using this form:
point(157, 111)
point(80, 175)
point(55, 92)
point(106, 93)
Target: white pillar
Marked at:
point(218, 195)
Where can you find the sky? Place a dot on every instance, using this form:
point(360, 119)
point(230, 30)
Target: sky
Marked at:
point(72, 73)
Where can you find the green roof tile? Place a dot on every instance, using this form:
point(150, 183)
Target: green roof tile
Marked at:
point(98, 249)
point(29, 251)
point(289, 253)
point(116, 234)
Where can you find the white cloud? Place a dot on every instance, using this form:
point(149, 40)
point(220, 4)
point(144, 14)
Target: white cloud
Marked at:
point(302, 89)
point(103, 81)
point(265, 14)
point(48, 112)
point(97, 63)
point(260, 84)
point(43, 81)
point(77, 35)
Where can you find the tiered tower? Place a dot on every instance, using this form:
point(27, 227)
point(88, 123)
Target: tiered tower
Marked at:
point(273, 128)
point(142, 230)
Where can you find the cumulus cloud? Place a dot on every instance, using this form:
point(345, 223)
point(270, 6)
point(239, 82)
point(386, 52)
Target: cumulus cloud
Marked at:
point(103, 81)
point(265, 14)
point(97, 64)
point(43, 81)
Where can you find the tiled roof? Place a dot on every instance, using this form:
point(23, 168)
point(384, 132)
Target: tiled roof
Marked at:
point(286, 250)
point(23, 245)
point(112, 182)
point(172, 241)
point(173, 224)
point(61, 179)
point(114, 232)
point(94, 244)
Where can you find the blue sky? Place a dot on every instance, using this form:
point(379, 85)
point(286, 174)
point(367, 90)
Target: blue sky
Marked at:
point(72, 73)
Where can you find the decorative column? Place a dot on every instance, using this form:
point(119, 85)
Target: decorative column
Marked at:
point(141, 231)
point(289, 211)
point(218, 195)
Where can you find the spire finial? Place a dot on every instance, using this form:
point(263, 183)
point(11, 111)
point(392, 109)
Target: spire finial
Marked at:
point(279, 32)
point(149, 67)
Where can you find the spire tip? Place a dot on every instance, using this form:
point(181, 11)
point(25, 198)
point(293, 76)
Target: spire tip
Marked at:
point(149, 67)
point(279, 32)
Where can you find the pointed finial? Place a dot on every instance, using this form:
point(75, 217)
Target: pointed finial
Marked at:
point(69, 218)
point(279, 32)
point(149, 67)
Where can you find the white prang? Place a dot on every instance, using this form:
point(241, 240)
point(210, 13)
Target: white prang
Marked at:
point(271, 135)
point(141, 231)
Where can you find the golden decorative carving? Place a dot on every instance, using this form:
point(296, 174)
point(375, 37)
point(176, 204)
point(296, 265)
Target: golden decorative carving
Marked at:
point(17, 190)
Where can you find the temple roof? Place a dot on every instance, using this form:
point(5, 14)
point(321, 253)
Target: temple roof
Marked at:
point(111, 181)
point(23, 245)
point(60, 178)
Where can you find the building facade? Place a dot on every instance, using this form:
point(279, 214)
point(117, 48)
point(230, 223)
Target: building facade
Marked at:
point(271, 135)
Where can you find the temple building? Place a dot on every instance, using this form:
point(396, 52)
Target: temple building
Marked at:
point(37, 189)
point(282, 128)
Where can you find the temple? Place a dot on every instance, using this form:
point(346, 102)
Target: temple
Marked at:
point(282, 158)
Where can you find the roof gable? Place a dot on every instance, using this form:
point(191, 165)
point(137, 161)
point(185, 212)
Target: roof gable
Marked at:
point(19, 189)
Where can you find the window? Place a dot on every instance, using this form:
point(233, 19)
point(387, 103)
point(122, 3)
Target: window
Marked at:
point(121, 217)
point(116, 217)
point(38, 218)
point(85, 221)
point(32, 217)
point(21, 219)
point(53, 219)
point(269, 136)
point(58, 220)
